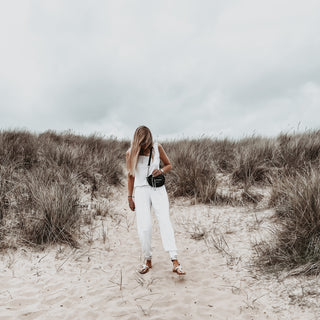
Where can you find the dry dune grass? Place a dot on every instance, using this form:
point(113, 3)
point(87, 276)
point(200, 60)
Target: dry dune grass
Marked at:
point(40, 180)
point(289, 164)
point(41, 177)
point(297, 242)
point(194, 171)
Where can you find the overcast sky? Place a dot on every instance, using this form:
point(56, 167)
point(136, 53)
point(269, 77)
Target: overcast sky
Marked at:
point(182, 67)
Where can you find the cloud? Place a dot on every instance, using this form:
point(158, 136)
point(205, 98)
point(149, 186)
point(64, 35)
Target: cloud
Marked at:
point(206, 67)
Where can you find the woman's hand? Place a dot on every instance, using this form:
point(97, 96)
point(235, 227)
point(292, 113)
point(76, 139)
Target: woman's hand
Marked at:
point(156, 172)
point(131, 204)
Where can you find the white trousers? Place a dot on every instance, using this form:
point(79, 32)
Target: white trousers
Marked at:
point(145, 197)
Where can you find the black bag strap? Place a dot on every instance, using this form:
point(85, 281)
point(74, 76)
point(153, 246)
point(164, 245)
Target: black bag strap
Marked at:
point(149, 160)
point(150, 157)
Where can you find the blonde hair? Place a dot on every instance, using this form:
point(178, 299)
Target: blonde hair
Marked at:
point(141, 138)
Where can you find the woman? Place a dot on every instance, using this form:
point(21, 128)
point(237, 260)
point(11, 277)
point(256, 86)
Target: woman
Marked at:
point(137, 164)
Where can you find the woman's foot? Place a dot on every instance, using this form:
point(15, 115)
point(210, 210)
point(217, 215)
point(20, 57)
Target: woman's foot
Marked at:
point(146, 267)
point(177, 268)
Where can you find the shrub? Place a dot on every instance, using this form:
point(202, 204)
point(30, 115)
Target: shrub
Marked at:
point(219, 152)
point(52, 213)
point(297, 233)
point(298, 151)
point(193, 172)
point(253, 161)
point(97, 161)
point(6, 185)
point(223, 154)
point(19, 147)
point(39, 180)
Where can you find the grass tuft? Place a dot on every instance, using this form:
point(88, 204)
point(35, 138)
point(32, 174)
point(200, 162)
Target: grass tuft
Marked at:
point(40, 179)
point(297, 232)
point(193, 174)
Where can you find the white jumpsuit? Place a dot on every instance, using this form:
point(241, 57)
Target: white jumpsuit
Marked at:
point(147, 196)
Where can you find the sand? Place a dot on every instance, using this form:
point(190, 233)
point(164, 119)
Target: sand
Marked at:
point(100, 279)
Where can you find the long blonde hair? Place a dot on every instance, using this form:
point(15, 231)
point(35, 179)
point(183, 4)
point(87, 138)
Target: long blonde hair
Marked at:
point(141, 138)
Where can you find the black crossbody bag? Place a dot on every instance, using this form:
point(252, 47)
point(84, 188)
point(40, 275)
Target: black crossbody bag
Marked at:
point(157, 181)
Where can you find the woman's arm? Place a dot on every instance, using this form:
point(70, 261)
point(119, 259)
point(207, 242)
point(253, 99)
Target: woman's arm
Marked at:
point(164, 158)
point(130, 187)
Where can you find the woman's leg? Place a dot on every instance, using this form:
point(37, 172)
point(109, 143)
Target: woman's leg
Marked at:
point(144, 225)
point(160, 204)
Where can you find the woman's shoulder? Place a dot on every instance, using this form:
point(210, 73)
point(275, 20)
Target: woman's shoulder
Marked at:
point(157, 146)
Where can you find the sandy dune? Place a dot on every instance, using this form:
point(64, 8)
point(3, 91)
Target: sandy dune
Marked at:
point(100, 281)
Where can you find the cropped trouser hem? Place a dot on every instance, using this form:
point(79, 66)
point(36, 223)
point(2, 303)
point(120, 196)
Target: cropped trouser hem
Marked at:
point(173, 256)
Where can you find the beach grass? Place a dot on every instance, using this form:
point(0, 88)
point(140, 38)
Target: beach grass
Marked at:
point(42, 178)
